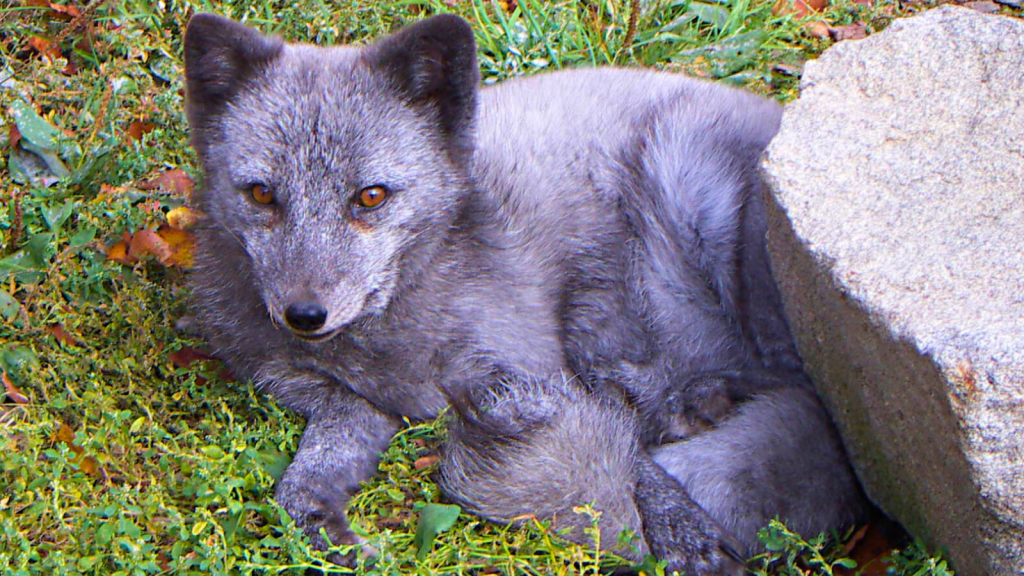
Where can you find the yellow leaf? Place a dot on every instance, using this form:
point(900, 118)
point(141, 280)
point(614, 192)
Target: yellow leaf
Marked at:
point(182, 218)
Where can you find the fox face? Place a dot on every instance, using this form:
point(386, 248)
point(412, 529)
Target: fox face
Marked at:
point(331, 166)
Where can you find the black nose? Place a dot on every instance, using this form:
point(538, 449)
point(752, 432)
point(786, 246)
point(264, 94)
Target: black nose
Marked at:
point(305, 316)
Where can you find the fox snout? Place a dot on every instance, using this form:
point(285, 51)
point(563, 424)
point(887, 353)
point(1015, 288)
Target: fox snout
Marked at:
point(305, 316)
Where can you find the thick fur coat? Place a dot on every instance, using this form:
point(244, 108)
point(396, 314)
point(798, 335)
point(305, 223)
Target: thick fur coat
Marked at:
point(575, 261)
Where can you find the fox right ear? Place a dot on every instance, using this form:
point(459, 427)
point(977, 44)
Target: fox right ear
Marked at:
point(220, 56)
point(433, 65)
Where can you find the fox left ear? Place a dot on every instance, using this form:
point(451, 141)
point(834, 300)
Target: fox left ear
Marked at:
point(221, 56)
point(433, 63)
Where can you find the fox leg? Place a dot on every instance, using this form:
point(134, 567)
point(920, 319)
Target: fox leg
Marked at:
point(339, 449)
point(777, 454)
point(541, 448)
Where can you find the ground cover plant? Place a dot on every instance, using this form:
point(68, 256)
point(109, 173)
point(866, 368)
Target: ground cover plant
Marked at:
point(123, 448)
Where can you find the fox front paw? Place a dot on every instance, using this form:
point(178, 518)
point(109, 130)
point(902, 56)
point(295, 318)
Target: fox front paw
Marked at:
point(315, 505)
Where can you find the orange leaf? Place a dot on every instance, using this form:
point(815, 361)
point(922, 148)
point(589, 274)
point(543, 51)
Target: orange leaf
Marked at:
point(44, 47)
point(66, 435)
point(174, 236)
point(870, 548)
point(183, 218)
point(817, 29)
point(148, 242)
point(854, 540)
point(119, 253)
point(86, 464)
point(175, 181)
point(851, 32)
point(71, 69)
point(66, 10)
point(186, 356)
point(90, 466)
point(58, 332)
point(426, 461)
point(13, 135)
point(138, 128)
point(13, 394)
point(182, 245)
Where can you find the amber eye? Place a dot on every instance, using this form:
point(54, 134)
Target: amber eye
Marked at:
point(371, 197)
point(261, 194)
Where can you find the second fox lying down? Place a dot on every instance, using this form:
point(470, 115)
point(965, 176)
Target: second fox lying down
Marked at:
point(575, 260)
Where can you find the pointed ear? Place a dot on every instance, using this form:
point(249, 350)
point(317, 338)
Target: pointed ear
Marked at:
point(433, 65)
point(220, 56)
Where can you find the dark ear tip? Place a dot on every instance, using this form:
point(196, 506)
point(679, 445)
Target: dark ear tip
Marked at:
point(200, 23)
point(454, 22)
point(448, 26)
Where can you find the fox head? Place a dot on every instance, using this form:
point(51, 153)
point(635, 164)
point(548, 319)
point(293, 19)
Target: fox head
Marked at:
point(331, 166)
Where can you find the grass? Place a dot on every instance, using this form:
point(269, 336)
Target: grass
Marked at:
point(117, 454)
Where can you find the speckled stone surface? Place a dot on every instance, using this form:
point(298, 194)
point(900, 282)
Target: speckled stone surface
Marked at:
point(898, 241)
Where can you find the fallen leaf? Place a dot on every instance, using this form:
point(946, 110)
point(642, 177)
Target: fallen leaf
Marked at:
point(13, 136)
point(58, 332)
point(12, 392)
point(817, 29)
point(152, 206)
point(44, 47)
point(175, 181)
point(66, 11)
point(147, 242)
point(186, 356)
point(182, 245)
point(174, 236)
point(65, 435)
point(870, 549)
point(426, 461)
point(86, 43)
point(138, 128)
point(851, 32)
point(854, 540)
point(183, 218)
point(798, 8)
point(90, 466)
point(119, 253)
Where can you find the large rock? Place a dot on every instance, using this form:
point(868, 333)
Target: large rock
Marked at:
point(901, 172)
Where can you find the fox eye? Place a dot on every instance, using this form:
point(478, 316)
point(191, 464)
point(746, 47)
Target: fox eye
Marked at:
point(371, 197)
point(261, 193)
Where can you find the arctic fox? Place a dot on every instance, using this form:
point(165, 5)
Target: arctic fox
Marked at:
point(575, 261)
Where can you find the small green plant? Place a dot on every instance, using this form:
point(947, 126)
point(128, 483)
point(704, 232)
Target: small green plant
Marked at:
point(915, 561)
point(788, 554)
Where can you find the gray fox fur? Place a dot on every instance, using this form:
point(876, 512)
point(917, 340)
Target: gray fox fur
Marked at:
point(574, 261)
